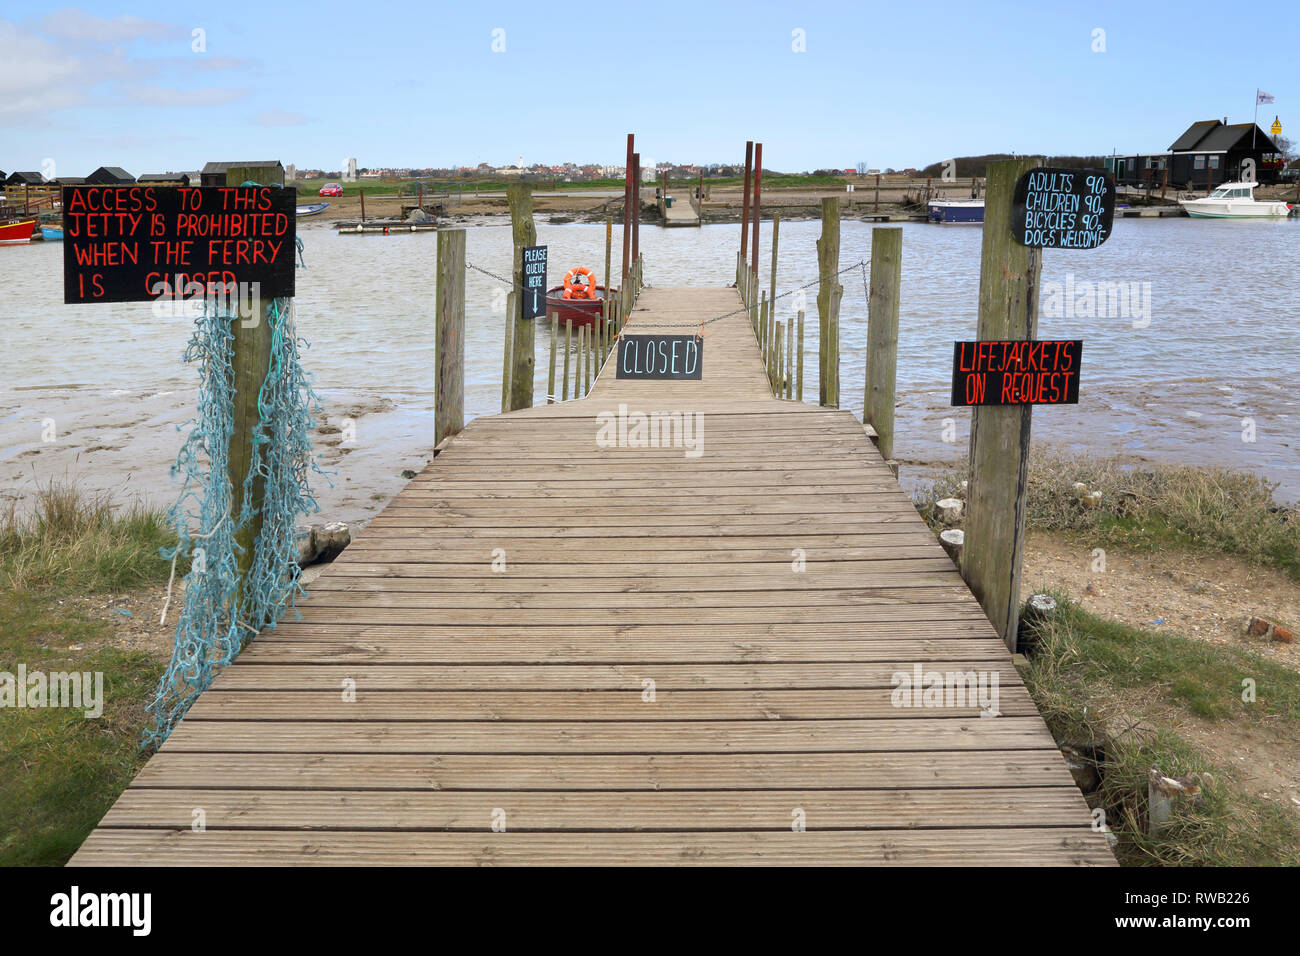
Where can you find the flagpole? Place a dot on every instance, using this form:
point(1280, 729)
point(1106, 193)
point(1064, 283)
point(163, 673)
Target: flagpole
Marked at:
point(1252, 132)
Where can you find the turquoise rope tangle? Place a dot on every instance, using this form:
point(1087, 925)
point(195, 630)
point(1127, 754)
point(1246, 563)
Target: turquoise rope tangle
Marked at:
point(218, 618)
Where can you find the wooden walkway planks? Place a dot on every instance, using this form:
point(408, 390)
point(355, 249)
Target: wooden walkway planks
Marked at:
point(519, 695)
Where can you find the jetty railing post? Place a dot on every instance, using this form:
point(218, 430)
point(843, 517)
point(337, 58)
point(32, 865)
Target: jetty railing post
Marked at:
point(778, 361)
point(757, 207)
point(550, 375)
point(789, 360)
point(524, 232)
point(568, 345)
point(999, 435)
point(828, 267)
point(250, 359)
point(799, 364)
point(508, 369)
point(449, 335)
point(882, 335)
point(776, 230)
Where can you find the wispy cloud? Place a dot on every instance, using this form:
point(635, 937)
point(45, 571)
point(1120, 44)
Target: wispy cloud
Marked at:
point(279, 118)
point(78, 26)
point(167, 96)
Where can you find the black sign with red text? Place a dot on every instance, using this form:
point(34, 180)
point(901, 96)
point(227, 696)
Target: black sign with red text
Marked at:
point(137, 243)
point(1016, 373)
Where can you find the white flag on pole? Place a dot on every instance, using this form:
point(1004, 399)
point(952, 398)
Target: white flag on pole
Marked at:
point(1262, 97)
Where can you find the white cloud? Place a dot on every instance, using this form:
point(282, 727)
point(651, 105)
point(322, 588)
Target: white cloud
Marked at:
point(168, 96)
point(79, 26)
point(279, 118)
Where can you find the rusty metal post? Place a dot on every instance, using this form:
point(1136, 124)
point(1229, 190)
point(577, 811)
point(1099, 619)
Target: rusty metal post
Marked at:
point(758, 203)
point(627, 211)
point(636, 207)
point(744, 203)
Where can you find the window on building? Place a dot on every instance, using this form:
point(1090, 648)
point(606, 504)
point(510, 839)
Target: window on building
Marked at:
point(1198, 162)
point(1214, 162)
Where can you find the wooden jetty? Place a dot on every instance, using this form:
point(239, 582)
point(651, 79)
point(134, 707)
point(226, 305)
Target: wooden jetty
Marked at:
point(548, 651)
point(679, 213)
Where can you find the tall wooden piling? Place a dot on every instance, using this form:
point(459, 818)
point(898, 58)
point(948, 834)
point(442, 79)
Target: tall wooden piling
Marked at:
point(828, 267)
point(609, 282)
point(636, 211)
point(524, 232)
point(251, 359)
point(882, 335)
point(449, 336)
point(568, 346)
point(1010, 275)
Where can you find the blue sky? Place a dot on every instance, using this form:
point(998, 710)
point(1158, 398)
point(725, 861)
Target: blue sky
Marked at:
point(418, 84)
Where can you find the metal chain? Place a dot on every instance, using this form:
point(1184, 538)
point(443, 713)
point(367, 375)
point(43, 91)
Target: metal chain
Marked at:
point(509, 282)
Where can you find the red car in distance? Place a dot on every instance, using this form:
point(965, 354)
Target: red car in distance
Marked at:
point(331, 189)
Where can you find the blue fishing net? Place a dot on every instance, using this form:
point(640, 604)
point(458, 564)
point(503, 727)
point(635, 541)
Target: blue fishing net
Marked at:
point(219, 617)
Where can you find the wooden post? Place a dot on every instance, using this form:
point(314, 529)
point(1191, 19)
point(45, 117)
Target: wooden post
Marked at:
point(509, 348)
point(776, 230)
point(789, 360)
point(449, 335)
point(524, 231)
point(799, 365)
point(568, 345)
point(1164, 180)
point(762, 323)
point(882, 335)
point(778, 363)
point(550, 375)
point(744, 202)
point(876, 208)
point(999, 435)
point(250, 358)
point(757, 207)
point(828, 267)
point(362, 192)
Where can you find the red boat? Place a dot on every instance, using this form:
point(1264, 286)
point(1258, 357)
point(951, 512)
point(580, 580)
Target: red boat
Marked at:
point(15, 228)
point(578, 311)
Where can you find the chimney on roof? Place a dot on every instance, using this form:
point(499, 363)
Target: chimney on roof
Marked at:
point(1225, 121)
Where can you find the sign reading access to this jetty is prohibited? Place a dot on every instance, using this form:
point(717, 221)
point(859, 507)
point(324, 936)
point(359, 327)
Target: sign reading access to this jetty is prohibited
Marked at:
point(1016, 373)
point(534, 281)
point(1063, 208)
point(140, 243)
point(660, 357)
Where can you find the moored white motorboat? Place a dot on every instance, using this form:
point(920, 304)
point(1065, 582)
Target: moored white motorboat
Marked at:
point(1235, 201)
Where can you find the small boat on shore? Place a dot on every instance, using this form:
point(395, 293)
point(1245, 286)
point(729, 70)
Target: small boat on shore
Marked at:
point(312, 209)
point(1235, 201)
point(956, 210)
point(52, 233)
point(16, 231)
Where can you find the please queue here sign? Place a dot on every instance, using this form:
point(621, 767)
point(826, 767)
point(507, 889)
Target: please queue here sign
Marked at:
point(1023, 372)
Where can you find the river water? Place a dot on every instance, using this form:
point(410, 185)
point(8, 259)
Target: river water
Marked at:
point(1194, 361)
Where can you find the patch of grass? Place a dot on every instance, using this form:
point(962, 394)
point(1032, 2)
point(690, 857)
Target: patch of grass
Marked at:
point(62, 769)
point(1207, 509)
point(82, 542)
point(1082, 664)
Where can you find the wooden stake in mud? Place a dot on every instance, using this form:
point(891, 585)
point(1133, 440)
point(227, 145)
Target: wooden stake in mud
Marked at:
point(882, 335)
point(1010, 276)
point(828, 267)
point(524, 233)
point(362, 193)
point(449, 336)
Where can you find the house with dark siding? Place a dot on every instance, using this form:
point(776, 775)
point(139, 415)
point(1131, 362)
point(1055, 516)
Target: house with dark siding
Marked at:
point(1208, 154)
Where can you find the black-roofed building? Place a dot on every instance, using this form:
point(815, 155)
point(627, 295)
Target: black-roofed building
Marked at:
point(110, 176)
point(164, 179)
point(1208, 154)
point(264, 172)
point(25, 179)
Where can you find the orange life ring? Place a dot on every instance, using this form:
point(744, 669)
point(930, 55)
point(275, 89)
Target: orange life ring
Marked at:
point(572, 291)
